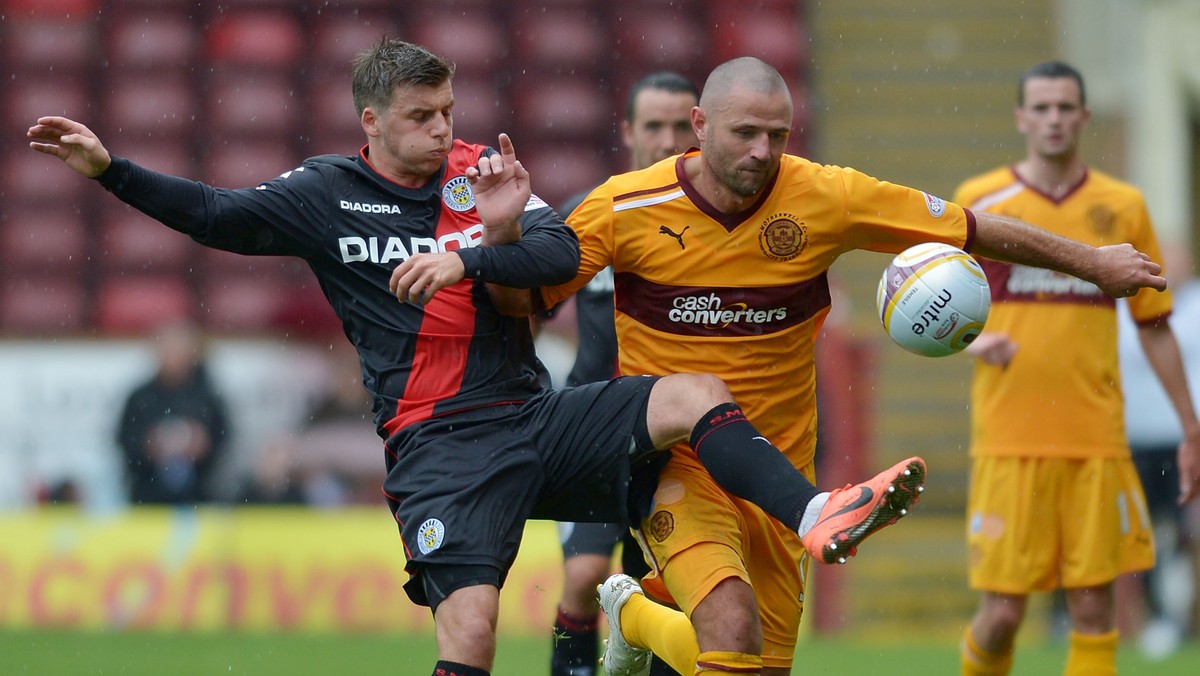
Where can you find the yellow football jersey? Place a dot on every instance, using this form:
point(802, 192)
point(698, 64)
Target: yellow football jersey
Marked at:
point(743, 296)
point(1061, 394)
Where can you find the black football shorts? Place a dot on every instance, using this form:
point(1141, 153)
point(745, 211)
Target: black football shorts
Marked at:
point(462, 485)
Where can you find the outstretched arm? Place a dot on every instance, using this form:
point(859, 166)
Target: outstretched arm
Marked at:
point(1119, 269)
point(76, 145)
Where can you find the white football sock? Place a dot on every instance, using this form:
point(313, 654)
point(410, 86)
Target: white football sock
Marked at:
point(812, 512)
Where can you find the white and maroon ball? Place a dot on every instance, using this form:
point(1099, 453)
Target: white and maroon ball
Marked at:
point(933, 299)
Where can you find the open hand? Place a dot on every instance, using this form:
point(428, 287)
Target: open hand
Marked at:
point(71, 142)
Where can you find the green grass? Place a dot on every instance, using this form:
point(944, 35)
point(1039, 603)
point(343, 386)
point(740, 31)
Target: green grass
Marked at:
point(52, 653)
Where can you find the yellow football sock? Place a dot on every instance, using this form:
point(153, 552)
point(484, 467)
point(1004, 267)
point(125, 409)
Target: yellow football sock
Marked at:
point(1092, 654)
point(714, 662)
point(976, 661)
point(667, 632)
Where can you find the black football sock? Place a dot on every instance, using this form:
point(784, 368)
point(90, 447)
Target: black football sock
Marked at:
point(447, 668)
point(660, 668)
point(575, 651)
point(748, 466)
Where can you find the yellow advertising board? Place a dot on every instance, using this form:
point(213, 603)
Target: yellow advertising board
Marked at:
point(253, 569)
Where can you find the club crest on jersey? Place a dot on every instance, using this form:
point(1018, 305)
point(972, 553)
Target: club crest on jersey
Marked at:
point(1102, 219)
point(782, 238)
point(431, 535)
point(457, 194)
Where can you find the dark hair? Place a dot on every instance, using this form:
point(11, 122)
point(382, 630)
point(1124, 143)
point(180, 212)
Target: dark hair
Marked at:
point(665, 80)
point(1050, 69)
point(394, 63)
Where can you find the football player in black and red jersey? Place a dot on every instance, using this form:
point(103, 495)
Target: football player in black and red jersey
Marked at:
point(405, 237)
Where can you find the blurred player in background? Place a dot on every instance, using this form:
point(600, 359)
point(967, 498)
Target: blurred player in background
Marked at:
point(720, 261)
point(421, 218)
point(657, 124)
point(174, 428)
point(1160, 603)
point(1054, 497)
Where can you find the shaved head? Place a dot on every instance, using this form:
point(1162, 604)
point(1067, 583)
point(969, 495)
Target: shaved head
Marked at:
point(745, 72)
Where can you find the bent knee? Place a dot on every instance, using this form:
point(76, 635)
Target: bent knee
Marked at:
point(696, 390)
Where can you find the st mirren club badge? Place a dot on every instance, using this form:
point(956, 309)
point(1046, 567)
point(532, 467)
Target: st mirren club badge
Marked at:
point(662, 524)
point(431, 535)
point(781, 238)
point(457, 194)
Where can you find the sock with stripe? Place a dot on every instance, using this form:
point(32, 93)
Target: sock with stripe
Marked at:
point(976, 661)
point(715, 662)
point(747, 465)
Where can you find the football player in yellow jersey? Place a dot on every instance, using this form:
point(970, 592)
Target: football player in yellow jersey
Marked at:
point(1054, 499)
point(720, 259)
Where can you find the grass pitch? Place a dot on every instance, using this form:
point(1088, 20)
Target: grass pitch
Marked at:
point(61, 653)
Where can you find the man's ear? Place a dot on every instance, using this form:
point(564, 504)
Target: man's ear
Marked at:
point(370, 122)
point(698, 122)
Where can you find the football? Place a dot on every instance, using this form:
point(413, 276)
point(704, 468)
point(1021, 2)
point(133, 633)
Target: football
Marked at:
point(933, 299)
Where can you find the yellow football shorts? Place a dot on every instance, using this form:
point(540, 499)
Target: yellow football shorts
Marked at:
point(697, 536)
point(1035, 524)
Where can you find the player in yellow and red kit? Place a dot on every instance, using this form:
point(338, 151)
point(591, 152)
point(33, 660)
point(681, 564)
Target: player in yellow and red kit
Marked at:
point(1055, 500)
point(720, 259)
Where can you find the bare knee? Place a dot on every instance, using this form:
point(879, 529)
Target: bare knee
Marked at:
point(677, 402)
point(465, 623)
point(999, 618)
point(1091, 609)
point(582, 573)
point(727, 619)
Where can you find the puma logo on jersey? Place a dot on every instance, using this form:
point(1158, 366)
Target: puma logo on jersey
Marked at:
point(664, 230)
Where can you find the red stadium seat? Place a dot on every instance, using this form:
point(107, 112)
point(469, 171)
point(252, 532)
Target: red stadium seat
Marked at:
point(479, 111)
point(561, 170)
point(562, 40)
point(564, 107)
point(29, 97)
point(44, 238)
point(244, 164)
point(30, 177)
point(131, 241)
point(471, 39)
point(331, 105)
point(152, 36)
point(56, 9)
point(338, 37)
point(46, 304)
point(169, 154)
point(48, 45)
point(270, 38)
point(131, 305)
point(335, 142)
point(775, 35)
point(253, 103)
point(217, 264)
point(240, 304)
point(660, 37)
point(149, 103)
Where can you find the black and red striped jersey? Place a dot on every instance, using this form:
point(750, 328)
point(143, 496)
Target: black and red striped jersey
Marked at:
point(353, 226)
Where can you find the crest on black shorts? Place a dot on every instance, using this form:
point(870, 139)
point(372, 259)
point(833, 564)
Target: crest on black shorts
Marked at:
point(431, 535)
point(662, 524)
